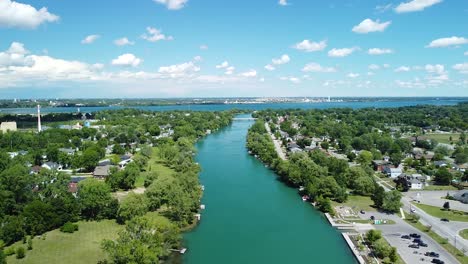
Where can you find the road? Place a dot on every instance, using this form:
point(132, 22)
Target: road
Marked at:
point(276, 142)
point(448, 230)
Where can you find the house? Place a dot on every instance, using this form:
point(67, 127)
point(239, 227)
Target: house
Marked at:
point(295, 150)
point(392, 172)
point(379, 165)
point(12, 154)
point(8, 126)
point(414, 181)
point(73, 187)
point(292, 145)
point(68, 151)
point(35, 169)
point(52, 166)
point(440, 163)
point(104, 162)
point(461, 196)
point(102, 171)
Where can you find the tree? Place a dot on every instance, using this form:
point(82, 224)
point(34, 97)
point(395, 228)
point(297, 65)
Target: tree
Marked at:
point(146, 239)
point(447, 206)
point(461, 158)
point(133, 205)
point(364, 185)
point(96, 200)
point(117, 149)
point(2, 254)
point(391, 201)
point(373, 235)
point(442, 176)
point(365, 157)
point(396, 158)
point(30, 243)
point(378, 196)
point(381, 248)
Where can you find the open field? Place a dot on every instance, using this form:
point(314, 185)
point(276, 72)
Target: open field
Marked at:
point(444, 137)
point(83, 246)
point(357, 203)
point(440, 188)
point(438, 212)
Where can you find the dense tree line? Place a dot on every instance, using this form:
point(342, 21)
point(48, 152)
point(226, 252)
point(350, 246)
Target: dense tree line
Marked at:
point(32, 204)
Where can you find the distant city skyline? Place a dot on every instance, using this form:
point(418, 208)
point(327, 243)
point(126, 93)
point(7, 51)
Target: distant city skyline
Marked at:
point(270, 48)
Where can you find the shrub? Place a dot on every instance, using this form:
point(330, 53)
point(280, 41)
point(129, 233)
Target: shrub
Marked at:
point(9, 251)
point(69, 227)
point(30, 243)
point(20, 253)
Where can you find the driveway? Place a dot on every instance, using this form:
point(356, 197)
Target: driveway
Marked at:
point(434, 198)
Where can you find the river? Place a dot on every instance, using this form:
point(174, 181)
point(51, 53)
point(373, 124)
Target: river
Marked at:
point(389, 102)
point(250, 216)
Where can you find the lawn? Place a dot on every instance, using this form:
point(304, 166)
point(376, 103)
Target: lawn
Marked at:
point(464, 233)
point(83, 246)
point(444, 137)
point(441, 241)
point(440, 188)
point(438, 212)
point(154, 164)
point(358, 203)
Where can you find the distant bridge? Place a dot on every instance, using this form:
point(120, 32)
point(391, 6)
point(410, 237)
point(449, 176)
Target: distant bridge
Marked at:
point(244, 119)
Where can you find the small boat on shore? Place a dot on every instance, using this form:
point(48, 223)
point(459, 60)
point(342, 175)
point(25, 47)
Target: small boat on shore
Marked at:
point(305, 198)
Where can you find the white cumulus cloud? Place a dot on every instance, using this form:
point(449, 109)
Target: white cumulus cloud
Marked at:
point(283, 2)
point(14, 14)
point(466, 53)
point(461, 67)
point(315, 67)
point(269, 67)
point(127, 60)
point(249, 74)
point(282, 60)
point(374, 67)
point(223, 65)
point(339, 53)
point(291, 79)
point(15, 56)
point(415, 5)
point(179, 70)
point(172, 4)
point(352, 75)
point(154, 34)
point(446, 42)
point(123, 42)
point(368, 25)
point(402, 69)
point(310, 46)
point(90, 39)
point(378, 51)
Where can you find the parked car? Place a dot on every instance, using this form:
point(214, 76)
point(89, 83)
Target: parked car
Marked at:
point(406, 237)
point(422, 244)
point(414, 246)
point(362, 212)
point(437, 261)
point(417, 240)
point(415, 235)
point(444, 220)
point(372, 217)
point(432, 254)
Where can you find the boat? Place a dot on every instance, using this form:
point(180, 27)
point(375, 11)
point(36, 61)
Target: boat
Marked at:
point(305, 198)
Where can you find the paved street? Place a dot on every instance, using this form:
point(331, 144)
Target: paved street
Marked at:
point(276, 142)
point(448, 230)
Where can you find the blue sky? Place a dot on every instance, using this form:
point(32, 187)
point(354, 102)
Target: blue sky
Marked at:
point(209, 48)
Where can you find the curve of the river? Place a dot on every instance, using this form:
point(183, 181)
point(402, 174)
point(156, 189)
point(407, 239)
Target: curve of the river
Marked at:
point(251, 217)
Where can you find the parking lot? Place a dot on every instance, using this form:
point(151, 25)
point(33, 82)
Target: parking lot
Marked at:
point(393, 235)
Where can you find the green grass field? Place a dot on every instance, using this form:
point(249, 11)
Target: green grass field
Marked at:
point(464, 234)
point(83, 246)
point(451, 215)
point(444, 138)
point(440, 188)
point(154, 164)
point(358, 203)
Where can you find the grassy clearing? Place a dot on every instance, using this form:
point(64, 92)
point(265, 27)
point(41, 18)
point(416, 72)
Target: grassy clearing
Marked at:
point(155, 163)
point(464, 233)
point(440, 188)
point(83, 246)
point(444, 138)
point(442, 241)
point(439, 212)
point(358, 203)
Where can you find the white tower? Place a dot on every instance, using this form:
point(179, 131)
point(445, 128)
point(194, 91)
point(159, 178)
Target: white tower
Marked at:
point(39, 127)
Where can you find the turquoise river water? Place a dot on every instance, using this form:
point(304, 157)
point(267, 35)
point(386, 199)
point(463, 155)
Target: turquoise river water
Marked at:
point(250, 216)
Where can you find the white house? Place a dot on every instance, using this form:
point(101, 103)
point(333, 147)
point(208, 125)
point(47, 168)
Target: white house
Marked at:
point(393, 172)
